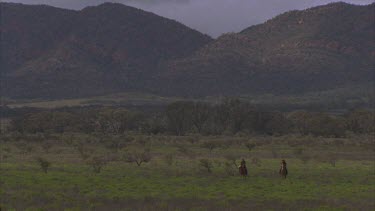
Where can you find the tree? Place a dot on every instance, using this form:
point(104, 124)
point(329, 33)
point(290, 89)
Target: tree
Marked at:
point(117, 121)
point(321, 124)
point(138, 157)
point(233, 115)
point(241, 115)
point(200, 115)
point(155, 124)
point(179, 117)
point(277, 123)
point(210, 145)
point(46, 121)
point(361, 121)
point(300, 120)
point(221, 118)
point(318, 124)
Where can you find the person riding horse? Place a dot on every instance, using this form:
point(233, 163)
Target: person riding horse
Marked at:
point(283, 170)
point(242, 168)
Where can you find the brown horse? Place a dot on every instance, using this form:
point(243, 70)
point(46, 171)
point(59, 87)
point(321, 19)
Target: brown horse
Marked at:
point(242, 168)
point(243, 171)
point(283, 170)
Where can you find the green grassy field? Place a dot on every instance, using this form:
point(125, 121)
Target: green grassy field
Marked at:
point(174, 178)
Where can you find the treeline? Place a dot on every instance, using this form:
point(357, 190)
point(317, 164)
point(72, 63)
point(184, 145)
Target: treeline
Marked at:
point(229, 117)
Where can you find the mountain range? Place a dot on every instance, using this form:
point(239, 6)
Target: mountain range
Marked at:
point(55, 53)
point(49, 52)
point(300, 51)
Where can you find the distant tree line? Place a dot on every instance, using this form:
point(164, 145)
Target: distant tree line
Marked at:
point(229, 117)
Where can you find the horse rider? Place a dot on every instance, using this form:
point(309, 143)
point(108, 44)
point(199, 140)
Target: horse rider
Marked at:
point(243, 163)
point(243, 169)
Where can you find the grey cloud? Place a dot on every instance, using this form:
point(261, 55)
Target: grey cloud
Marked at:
point(213, 17)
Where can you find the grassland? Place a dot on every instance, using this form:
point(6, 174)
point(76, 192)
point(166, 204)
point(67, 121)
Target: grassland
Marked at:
point(336, 99)
point(129, 99)
point(174, 178)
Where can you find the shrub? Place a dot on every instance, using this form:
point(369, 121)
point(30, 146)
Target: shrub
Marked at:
point(44, 164)
point(24, 147)
point(250, 146)
point(115, 144)
point(232, 159)
point(97, 163)
point(206, 164)
point(332, 159)
point(185, 151)
point(210, 145)
point(84, 152)
point(230, 169)
point(169, 159)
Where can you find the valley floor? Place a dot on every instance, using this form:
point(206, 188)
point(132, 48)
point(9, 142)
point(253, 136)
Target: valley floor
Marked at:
point(182, 174)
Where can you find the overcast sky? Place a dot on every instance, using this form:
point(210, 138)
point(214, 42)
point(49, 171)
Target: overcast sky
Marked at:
point(212, 17)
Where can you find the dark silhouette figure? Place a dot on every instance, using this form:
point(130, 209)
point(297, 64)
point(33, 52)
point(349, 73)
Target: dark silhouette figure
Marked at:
point(283, 170)
point(242, 168)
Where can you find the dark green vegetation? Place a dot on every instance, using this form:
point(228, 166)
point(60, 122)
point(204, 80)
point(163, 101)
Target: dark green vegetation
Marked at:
point(184, 157)
point(56, 53)
point(53, 53)
point(229, 117)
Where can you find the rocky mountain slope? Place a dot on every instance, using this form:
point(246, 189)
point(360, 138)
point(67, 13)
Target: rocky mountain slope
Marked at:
point(316, 49)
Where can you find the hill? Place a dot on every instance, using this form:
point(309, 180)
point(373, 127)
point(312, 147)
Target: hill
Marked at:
point(56, 53)
point(321, 48)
